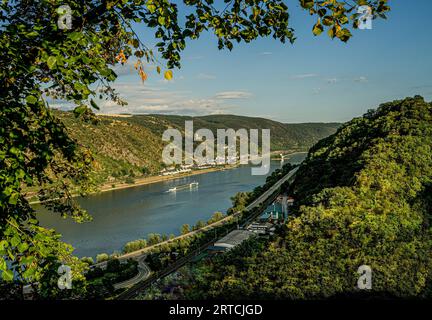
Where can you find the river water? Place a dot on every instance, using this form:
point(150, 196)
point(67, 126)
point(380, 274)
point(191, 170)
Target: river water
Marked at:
point(120, 216)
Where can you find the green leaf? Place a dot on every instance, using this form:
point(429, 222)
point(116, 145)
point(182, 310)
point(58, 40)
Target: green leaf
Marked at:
point(344, 34)
point(31, 99)
point(3, 244)
point(15, 241)
point(22, 247)
point(80, 110)
point(3, 265)
point(161, 20)
point(343, 20)
point(94, 105)
point(13, 199)
point(74, 36)
point(7, 275)
point(151, 8)
point(327, 21)
point(32, 34)
point(318, 28)
point(51, 62)
point(307, 4)
point(20, 174)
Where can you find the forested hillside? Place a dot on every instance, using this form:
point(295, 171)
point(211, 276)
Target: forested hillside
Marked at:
point(130, 146)
point(364, 197)
point(290, 137)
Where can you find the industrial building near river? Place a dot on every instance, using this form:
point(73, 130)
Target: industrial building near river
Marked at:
point(275, 214)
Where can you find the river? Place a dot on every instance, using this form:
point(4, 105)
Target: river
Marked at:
point(120, 216)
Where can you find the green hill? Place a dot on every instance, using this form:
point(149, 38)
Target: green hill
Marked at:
point(131, 146)
point(289, 137)
point(363, 197)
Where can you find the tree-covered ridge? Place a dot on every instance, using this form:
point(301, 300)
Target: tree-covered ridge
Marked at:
point(132, 146)
point(290, 137)
point(365, 196)
point(336, 160)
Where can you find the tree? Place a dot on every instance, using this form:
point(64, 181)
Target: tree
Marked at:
point(88, 260)
point(199, 225)
point(41, 61)
point(135, 245)
point(102, 257)
point(113, 266)
point(216, 217)
point(153, 238)
point(185, 229)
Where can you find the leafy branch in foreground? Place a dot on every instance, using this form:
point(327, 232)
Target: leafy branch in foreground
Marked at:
point(41, 62)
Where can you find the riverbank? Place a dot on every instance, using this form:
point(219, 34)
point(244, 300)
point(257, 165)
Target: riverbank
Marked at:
point(155, 179)
point(113, 186)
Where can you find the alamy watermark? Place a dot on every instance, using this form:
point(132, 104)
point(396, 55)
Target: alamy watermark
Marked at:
point(365, 18)
point(204, 153)
point(64, 22)
point(65, 279)
point(364, 282)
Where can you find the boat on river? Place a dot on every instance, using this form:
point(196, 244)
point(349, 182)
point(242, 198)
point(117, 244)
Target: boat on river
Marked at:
point(184, 186)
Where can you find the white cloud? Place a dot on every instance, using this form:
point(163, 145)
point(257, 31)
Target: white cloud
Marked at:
point(183, 107)
point(146, 98)
point(266, 53)
point(149, 99)
point(304, 76)
point(205, 76)
point(62, 106)
point(233, 95)
point(361, 79)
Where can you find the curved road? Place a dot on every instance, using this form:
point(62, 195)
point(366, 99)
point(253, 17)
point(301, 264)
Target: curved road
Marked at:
point(143, 273)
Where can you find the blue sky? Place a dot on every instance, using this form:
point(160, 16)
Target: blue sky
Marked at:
point(315, 79)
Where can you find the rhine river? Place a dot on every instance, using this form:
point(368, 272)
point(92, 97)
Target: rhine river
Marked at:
point(120, 216)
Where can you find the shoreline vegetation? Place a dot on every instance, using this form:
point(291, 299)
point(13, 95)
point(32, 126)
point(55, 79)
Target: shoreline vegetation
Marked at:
point(141, 181)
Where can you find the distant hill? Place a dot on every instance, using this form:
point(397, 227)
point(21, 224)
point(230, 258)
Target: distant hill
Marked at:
point(290, 137)
point(132, 146)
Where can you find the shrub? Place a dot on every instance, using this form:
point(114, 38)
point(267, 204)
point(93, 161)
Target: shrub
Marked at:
point(102, 257)
point(135, 245)
point(88, 260)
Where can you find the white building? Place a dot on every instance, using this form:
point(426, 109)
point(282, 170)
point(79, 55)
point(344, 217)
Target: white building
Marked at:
point(232, 240)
